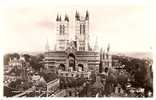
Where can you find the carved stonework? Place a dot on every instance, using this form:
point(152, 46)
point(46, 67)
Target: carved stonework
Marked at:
point(71, 48)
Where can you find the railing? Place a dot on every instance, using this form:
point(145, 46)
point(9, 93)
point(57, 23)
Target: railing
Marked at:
point(50, 84)
point(60, 93)
point(25, 92)
point(74, 74)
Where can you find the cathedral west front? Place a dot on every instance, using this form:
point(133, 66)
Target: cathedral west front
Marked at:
point(75, 56)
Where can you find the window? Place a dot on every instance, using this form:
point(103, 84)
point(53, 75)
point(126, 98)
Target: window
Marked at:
point(106, 56)
point(62, 29)
point(83, 29)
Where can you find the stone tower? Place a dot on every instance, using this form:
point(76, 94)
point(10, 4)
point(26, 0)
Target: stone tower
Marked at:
point(82, 31)
point(105, 60)
point(62, 34)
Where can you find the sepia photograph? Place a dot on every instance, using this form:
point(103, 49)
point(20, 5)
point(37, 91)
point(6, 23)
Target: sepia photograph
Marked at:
point(76, 50)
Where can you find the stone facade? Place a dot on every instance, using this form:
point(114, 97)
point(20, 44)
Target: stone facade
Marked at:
point(75, 55)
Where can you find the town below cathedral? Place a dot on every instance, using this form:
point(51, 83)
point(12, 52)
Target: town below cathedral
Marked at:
point(74, 68)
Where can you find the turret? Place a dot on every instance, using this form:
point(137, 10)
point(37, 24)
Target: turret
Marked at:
point(66, 18)
point(101, 62)
point(77, 16)
point(62, 32)
point(104, 54)
point(58, 18)
point(96, 47)
point(47, 46)
point(82, 31)
point(108, 48)
point(87, 15)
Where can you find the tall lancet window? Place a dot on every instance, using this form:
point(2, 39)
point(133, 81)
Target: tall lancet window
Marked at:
point(60, 29)
point(83, 29)
point(63, 29)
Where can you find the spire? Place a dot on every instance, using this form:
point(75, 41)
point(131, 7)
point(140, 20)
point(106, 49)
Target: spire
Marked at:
point(47, 46)
point(57, 18)
point(96, 47)
point(66, 18)
point(60, 18)
point(108, 47)
point(101, 62)
point(87, 15)
point(103, 54)
point(77, 16)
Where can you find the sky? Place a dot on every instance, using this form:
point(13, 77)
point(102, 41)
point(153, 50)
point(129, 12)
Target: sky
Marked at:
point(26, 28)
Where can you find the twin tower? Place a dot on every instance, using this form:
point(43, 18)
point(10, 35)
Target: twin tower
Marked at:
point(81, 32)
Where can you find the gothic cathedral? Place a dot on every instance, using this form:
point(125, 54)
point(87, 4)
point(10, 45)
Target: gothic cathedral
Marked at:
point(75, 55)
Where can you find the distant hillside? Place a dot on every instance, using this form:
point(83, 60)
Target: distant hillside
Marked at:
point(140, 55)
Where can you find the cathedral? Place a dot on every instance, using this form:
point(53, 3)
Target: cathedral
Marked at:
point(75, 56)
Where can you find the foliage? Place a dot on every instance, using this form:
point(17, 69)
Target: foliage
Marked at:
point(16, 55)
point(27, 57)
point(138, 68)
point(35, 61)
point(9, 56)
point(93, 77)
point(6, 59)
point(49, 76)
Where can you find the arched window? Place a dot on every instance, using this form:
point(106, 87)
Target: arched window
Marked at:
point(81, 68)
point(63, 29)
point(71, 58)
point(107, 56)
point(106, 70)
point(83, 29)
point(60, 29)
point(62, 67)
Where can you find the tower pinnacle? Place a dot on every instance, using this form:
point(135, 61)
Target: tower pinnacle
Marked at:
point(57, 18)
point(66, 18)
point(77, 16)
point(96, 47)
point(108, 47)
point(87, 15)
point(47, 45)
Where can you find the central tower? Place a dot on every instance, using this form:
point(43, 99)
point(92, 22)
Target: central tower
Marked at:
point(82, 31)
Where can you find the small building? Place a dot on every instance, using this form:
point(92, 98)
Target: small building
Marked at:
point(118, 89)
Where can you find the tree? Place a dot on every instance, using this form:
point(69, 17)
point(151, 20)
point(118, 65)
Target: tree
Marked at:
point(49, 76)
point(93, 77)
point(111, 81)
point(35, 61)
point(16, 55)
point(123, 78)
point(27, 57)
point(6, 59)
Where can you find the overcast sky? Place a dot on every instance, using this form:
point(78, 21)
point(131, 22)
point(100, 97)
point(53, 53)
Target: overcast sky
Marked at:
point(27, 28)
